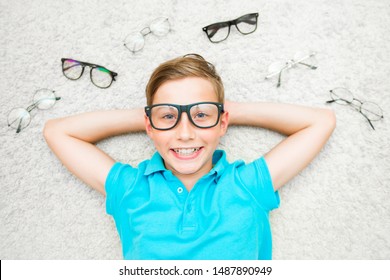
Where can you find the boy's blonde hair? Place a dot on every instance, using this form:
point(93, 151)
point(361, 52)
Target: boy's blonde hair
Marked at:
point(190, 65)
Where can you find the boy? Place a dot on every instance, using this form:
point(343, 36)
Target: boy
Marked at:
point(188, 202)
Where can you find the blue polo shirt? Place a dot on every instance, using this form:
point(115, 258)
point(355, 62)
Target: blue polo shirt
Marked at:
point(224, 216)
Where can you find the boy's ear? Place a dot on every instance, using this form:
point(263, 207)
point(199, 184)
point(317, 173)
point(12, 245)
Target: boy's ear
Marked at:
point(224, 122)
point(148, 126)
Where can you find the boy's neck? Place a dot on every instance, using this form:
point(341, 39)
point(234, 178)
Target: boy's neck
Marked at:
point(189, 181)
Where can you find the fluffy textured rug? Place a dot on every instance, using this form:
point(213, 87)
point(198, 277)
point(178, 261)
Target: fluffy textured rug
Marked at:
point(337, 208)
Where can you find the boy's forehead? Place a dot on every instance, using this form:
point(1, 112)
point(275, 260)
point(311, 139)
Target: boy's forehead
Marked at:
point(185, 91)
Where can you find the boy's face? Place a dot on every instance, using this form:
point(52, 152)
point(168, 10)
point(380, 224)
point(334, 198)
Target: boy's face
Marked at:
point(186, 149)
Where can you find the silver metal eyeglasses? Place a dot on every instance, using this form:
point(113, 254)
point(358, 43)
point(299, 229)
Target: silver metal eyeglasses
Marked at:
point(20, 118)
point(134, 42)
point(370, 110)
point(277, 68)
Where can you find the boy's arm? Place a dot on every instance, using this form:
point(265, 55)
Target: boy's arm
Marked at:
point(72, 140)
point(307, 129)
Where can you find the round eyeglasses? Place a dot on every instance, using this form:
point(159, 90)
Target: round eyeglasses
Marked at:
point(370, 110)
point(167, 116)
point(20, 118)
point(135, 41)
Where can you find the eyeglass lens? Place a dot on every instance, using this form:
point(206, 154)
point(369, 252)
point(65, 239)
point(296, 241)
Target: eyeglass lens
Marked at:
point(218, 32)
point(20, 118)
point(202, 115)
point(100, 76)
point(136, 41)
point(344, 97)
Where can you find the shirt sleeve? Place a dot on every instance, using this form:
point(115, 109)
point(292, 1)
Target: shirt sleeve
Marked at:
point(119, 182)
point(257, 178)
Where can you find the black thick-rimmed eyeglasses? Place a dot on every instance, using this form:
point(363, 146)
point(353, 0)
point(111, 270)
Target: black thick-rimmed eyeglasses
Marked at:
point(370, 110)
point(217, 32)
point(100, 75)
point(167, 116)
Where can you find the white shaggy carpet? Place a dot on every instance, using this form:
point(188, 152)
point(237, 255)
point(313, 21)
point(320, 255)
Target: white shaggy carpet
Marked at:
point(337, 208)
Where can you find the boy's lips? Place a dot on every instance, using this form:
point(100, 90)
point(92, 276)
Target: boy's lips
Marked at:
point(186, 153)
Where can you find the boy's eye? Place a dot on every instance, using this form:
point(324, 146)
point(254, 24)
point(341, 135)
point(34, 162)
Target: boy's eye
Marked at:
point(200, 115)
point(168, 116)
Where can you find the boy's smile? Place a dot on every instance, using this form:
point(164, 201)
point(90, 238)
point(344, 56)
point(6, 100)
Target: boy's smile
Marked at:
point(186, 149)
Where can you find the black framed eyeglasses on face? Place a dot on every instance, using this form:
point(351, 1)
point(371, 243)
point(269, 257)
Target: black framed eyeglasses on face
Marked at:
point(370, 110)
point(100, 75)
point(167, 116)
point(218, 32)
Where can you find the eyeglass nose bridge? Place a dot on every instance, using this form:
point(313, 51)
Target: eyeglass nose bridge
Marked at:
point(145, 31)
point(184, 109)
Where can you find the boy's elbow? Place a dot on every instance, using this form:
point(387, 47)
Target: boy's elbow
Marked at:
point(329, 119)
point(49, 130)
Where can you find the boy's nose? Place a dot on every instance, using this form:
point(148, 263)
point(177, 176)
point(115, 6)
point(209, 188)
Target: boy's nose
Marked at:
point(185, 129)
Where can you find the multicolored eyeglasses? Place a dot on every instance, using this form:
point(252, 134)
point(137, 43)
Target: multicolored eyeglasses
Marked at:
point(100, 75)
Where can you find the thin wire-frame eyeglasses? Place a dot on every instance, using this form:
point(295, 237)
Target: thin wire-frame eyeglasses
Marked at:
point(135, 41)
point(299, 59)
point(202, 114)
point(370, 110)
point(218, 32)
point(20, 118)
point(100, 76)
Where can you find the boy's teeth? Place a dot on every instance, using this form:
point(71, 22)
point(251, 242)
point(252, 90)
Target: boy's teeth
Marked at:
point(186, 152)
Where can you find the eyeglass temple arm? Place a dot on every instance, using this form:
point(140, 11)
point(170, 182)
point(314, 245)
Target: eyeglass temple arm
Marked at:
point(370, 123)
point(19, 126)
point(35, 104)
point(280, 77)
point(67, 68)
point(308, 65)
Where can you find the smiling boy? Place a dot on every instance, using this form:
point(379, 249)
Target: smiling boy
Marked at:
point(188, 201)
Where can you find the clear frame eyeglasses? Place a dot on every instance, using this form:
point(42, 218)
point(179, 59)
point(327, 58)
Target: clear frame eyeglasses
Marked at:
point(134, 42)
point(100, 75)
point(201, 114)
point(20, 118)
point(218, 32)
point(370, 110)
point(277, 68)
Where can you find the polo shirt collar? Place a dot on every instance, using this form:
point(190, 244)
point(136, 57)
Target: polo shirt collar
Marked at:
point(156, 163)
